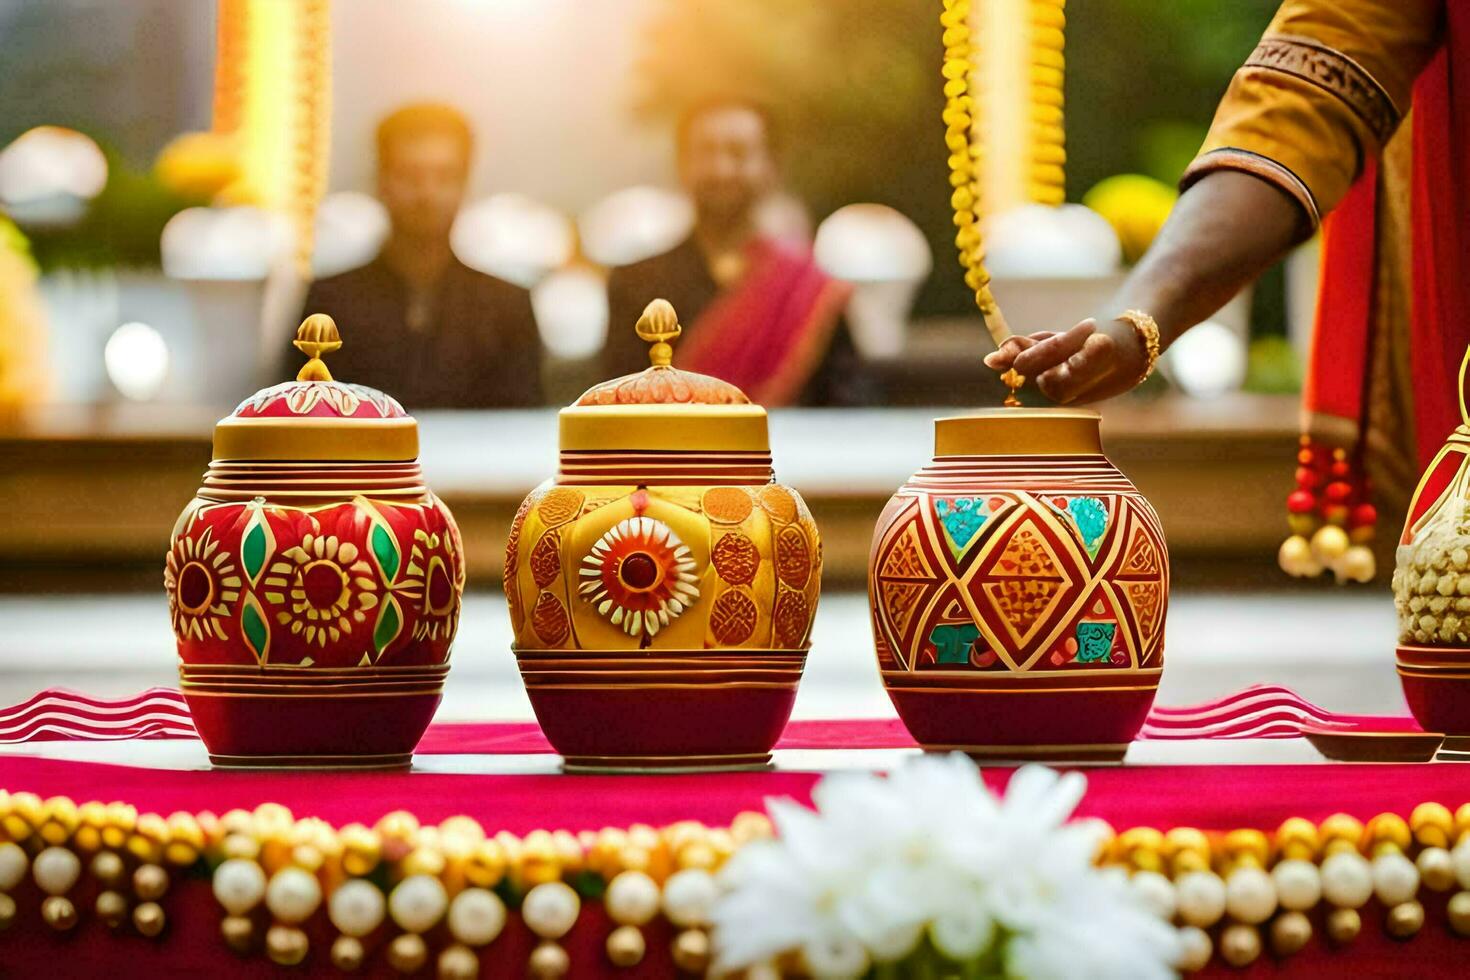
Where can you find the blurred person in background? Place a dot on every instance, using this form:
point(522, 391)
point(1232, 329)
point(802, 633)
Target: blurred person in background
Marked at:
point(416, 321)
point(756, 309)
point(1316, 123)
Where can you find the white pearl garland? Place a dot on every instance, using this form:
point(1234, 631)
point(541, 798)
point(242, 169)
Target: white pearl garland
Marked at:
point(632, 898)
point(1347, 881)
point(1395, 878)
point(356, 908)
point(1195, 949)
point(292, 895)
point(13, 865)
point(551, 909)
point(688, 897)
point(1157, 893)
point(1436, 868)
point(239, 885)
point(1250, 895)
point(418, 903)
point(1298, 884)
point(1460, 857)
point(56, 869)
point(1201, 898)
point(476, 916)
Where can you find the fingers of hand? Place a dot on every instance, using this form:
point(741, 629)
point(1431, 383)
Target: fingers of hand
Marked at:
point(1054, 350)
point(1082, 373)
point(1003, 356)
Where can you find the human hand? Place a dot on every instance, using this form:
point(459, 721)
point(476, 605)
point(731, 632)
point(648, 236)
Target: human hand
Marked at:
point(1087, 363)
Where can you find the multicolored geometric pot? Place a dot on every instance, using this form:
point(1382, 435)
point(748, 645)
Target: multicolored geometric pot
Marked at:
point(662, 586)
point(1431, 584)
point(1018, 587)
point(314, 583)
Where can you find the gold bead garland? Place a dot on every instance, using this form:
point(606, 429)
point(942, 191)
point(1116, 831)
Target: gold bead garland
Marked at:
point(959, 111)
point(1043, 150)
point(1236, 894)
point(312, 131)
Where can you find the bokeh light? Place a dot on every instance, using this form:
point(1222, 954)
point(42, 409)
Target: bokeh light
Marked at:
point(137, 359)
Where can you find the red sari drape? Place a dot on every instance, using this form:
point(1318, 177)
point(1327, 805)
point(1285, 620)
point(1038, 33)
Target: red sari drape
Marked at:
point(1440, 216)
point(768, 334)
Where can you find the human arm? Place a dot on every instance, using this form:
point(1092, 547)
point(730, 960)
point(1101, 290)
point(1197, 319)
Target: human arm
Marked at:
point(1322, 93)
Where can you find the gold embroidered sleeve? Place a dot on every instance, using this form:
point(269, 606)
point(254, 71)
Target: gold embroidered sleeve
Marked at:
point(1323, 91)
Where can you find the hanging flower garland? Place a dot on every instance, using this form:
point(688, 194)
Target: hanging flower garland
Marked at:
point(1044, 151)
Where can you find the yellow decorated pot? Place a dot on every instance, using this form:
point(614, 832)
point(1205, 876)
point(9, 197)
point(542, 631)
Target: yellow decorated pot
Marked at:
point(662, 586)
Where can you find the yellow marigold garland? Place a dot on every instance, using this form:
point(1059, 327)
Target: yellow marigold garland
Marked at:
point(1045, 146)
point(964, 155)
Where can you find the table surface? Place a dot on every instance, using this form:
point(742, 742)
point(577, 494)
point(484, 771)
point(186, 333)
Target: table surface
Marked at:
point(1334, 647)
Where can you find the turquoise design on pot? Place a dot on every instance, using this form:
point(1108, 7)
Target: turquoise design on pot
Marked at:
point(1090, 516)
point(952, 642)
point(962, 517)
point(1095, 642)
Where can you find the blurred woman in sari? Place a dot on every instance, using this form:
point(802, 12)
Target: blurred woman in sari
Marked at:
point(757, 310)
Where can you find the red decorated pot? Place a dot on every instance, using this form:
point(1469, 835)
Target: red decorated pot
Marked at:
point(662, 586)
point(1431, 584)
point(314, 583)
point(1018, 587)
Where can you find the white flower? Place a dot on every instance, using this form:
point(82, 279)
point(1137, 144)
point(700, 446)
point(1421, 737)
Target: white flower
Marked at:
point(929, 850)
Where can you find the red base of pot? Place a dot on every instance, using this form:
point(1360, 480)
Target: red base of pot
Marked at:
point(1013, 726)
point(261, 729)
point(694, 727)
point(1437, 686)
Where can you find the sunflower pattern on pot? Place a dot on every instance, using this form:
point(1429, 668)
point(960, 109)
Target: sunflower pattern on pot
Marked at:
point(663, 582)
point(346, 584)
point(314, 583)
point(642, 567)
point(639, 575)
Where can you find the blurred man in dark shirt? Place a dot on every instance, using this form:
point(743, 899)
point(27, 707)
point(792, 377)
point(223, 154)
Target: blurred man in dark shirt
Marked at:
point(756, 312)
point(416, 322)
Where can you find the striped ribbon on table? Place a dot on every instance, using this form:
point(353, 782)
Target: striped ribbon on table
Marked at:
point(59, 714)
point(1259, 711)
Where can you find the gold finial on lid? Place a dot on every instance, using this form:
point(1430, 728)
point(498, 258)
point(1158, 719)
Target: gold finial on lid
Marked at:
point(658, 325)
point(316, 336)
point(1013, 381)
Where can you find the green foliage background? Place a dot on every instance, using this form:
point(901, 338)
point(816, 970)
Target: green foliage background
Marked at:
point(856, 87)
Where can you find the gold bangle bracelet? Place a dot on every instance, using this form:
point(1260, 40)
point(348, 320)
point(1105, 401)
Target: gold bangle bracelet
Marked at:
point(1148, 332)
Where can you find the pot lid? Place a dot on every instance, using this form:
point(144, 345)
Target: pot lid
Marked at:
point(317, 418)
point(1019, 432)
point(662, 408)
